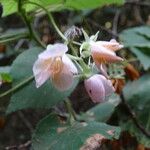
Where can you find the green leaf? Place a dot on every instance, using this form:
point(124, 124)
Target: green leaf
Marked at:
point(84, 4)
point(133, 37)
point(55, 5)
point(137, 92)
point(137, 95)
point(102, 111)
point(50, 134)
point(9, 7)
point(144, 58)
point(29, 96)
point(138, 41)
point(4, 74)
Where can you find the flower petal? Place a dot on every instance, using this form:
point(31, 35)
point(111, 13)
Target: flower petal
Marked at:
point(70, 65)
point(102, 55)
point(103, 70)
point(95, 88)
point(41, 71)
point(54, 51)
point(111, 45)
point(109, 89)
point(63, 80)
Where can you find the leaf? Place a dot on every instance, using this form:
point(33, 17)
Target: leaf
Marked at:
point(140, 96)
point(4, 74)
point(9, 7)
point(55, 5)
point(102, 111)
point(50, 134)
point(84, 4)
point(137, 95)
point(138, 41)
point(133, 37)
point(144, 59)
point(29, 96)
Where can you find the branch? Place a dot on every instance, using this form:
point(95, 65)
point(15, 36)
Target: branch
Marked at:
point(19, 147)
point(138, 3)
point(133, 117)
point(102, 27)
point(115, 23)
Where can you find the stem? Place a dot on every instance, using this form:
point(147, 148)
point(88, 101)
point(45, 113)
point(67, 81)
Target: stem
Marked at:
point(21, 84)
point(9, 39)
point(50, 17)
point(56, 28)
point(72, 117)
point(27, 21)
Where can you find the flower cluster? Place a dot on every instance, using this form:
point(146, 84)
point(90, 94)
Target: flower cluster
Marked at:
point(54, 64)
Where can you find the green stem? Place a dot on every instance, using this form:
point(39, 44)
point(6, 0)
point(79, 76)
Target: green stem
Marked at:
point(50, 17)
point(9, 39)
point(72, 116)
point(21, 84)
point(27, 21)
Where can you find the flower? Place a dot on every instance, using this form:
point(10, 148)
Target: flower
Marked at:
point(53, 63)
point(98, 88)
point(104, 52)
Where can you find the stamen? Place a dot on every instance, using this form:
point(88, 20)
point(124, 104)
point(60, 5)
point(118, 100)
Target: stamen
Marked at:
point(56, 65)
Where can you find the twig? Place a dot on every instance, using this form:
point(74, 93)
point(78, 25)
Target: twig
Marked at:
point(102, 27)
point(138, 3)
point(115, 23)
point(133, 117)
point(19, 147)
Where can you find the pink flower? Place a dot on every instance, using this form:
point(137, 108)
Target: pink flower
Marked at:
point(98, 88)
point(53, 63)
point(104, 52)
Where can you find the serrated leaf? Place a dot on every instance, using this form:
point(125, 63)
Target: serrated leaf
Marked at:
point(29, 96)
point(50, 134)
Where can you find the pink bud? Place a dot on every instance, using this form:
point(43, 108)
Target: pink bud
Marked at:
point(98, 87)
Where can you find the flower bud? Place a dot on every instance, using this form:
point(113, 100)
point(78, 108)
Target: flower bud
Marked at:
point(98, 88)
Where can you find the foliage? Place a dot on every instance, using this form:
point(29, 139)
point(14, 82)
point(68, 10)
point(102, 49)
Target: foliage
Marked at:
point(50, 134)
point(138, 41)
point(139, 101)
point(55, 5)
point(44, 97)
point(36, 72)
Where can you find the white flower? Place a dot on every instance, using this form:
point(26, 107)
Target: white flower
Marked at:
point(98, 88)
point(53, 63)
